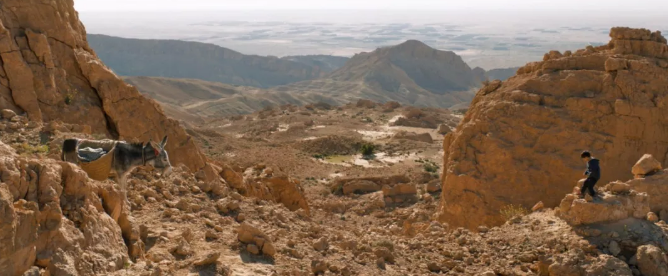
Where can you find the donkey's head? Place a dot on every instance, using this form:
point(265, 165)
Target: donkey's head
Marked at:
point(157, 156)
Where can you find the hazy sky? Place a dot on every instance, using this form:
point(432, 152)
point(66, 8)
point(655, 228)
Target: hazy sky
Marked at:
point(156, 5)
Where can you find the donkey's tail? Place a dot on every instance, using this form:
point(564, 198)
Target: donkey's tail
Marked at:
point(69, 148)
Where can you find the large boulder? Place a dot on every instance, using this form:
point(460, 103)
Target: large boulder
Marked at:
point(520, 140)
point(287, 191)
point(646, 165)
point(256, 241)
point(656, 186)
point(50, 72)
point(652, 261)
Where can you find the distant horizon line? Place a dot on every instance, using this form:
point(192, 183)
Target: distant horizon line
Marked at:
point(369, 9)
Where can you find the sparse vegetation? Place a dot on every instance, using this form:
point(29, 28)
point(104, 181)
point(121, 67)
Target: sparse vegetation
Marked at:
point(429, 166)
point(26, 148)
point(512, 210)
point(367, 149)
point(70, 96)
point(320, 156)
point(337, 189)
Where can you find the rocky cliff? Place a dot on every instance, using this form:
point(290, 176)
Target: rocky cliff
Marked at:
point(520, 141)
point(53, 217)
point(49, 71)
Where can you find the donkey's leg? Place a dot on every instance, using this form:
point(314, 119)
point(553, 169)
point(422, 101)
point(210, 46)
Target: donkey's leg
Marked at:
point(116, 213)
point(124, 188)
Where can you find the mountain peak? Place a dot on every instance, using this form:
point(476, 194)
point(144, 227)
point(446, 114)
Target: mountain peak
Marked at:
point(412, 45)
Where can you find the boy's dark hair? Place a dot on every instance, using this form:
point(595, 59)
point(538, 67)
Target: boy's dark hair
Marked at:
point(585, 154)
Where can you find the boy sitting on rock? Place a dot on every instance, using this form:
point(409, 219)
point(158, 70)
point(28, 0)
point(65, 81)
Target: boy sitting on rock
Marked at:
point(593, 174)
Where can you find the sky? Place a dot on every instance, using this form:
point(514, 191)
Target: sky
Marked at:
point(192, 5)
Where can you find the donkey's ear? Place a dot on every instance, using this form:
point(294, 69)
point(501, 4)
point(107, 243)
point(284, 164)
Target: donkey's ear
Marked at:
point(148, 143)
point(164, 142)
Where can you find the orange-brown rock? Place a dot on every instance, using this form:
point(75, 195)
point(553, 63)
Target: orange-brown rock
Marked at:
point(400, 193)
point(646, 165)
point(44, 55)
point(250, 235)
point(609, 208)
point(365, 185)
point(520, 140)
point(288, 192)
point(281, 189)
point(51, 215)
point(656, 186)
point(405, 135)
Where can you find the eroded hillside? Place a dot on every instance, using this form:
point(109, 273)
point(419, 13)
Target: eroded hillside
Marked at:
point(321, 189)
point(520, 140)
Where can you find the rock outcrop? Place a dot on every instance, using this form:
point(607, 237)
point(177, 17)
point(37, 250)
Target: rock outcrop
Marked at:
point(53, 217)
point(255, 240)
point(520, 140)
point(610, 207)
point(405, 135)
point(260, 183)
point(400, 194)
point(48, 71)
point(656, 186)
point(363, 185)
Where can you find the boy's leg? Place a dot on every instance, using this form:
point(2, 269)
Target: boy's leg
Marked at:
point(589, 186)
point(593, 181)
point(583, 189)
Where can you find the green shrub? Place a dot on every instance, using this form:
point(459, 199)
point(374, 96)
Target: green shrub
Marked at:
point(336, 189)
point(430, 168)
point(367, 149)
point(511, 211)
point(70, 96)
point(27, 148)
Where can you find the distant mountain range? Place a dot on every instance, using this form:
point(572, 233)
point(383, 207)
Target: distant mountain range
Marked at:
point(195, 80)
point(193, 100)
point(323, 62)
point(195, 60)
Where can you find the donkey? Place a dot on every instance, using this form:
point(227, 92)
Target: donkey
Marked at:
point(127, 157)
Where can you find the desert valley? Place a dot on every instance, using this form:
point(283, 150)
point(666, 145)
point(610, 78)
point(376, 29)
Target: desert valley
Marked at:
point(442, 155)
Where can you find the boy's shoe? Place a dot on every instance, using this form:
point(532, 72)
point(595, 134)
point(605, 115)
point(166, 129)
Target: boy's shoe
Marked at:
point(589, 198)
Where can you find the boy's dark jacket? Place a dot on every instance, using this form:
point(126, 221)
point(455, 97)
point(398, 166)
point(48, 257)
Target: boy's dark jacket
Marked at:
point(593, 170)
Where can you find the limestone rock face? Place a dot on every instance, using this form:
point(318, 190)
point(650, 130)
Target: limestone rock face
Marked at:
point(51, 216)
point(48, 71)
point(520, 140)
